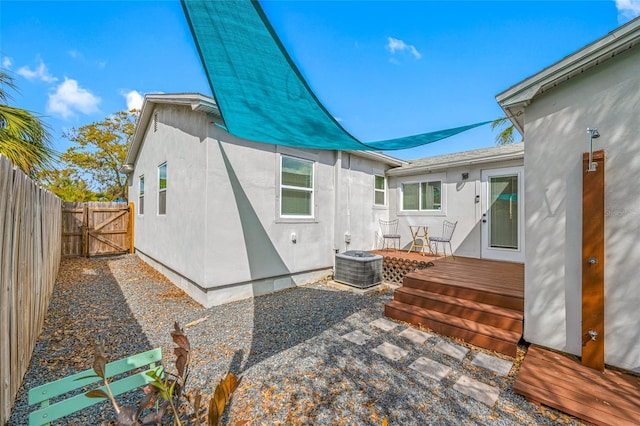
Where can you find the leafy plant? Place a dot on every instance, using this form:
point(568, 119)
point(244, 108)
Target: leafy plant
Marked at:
point(24, 136)
point(166, 392)
point(506, 135)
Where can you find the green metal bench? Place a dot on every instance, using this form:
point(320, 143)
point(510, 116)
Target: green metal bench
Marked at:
point(50, 412)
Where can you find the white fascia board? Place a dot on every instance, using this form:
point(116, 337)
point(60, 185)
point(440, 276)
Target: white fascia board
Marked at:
point(378, 156)
point(458, 163)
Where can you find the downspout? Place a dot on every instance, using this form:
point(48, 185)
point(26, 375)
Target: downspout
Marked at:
point(347, 234)
point(208, 136)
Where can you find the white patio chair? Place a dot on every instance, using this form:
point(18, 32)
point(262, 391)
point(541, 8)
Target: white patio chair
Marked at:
point(389, 230)
point(447, 233)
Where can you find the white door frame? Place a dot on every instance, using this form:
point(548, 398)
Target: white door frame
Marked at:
point(487, 252)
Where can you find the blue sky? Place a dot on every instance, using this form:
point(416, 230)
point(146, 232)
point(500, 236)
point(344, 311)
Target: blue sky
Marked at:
point(383, 69)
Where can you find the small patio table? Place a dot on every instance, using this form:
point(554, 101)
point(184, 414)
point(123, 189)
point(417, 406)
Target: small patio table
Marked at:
point(420, 232)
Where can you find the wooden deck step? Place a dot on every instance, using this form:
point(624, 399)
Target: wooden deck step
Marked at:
point(455, 287)
point(609, 398)
point(483, 335)
point(477, 300)
point(496, 316)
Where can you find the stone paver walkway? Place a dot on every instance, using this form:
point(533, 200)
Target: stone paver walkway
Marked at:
point(454, 351)
point(357, 337)
point(430, 368)
point(485, 393)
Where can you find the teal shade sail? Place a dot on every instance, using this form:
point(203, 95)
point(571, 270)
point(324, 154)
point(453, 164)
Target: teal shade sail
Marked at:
point(261, 94)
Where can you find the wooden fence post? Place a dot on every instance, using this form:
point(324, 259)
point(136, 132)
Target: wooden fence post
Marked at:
point(132, 213)
point(85, 230)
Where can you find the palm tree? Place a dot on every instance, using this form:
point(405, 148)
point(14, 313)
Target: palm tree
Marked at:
point(506, 135)
point(24, 137)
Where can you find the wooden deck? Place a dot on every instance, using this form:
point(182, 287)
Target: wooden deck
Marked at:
point(479, 301)
point(562, 382)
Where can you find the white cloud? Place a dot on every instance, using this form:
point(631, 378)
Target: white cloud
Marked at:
point(7, 62)
point(40, 73)
point(396, 45)
point(627, 10)
point(134, 100)
point(69, 98)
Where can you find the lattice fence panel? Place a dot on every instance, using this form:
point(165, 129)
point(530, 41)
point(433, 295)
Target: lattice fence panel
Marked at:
point(394, 269)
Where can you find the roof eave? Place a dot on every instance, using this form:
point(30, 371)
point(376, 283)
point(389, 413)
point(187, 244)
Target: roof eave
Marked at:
point(516, 98)
point(458, 163)
point(378, 156)
point(515, 113)
point(195, 101)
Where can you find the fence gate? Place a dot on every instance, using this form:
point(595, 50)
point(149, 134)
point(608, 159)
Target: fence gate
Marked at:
point(96, 229)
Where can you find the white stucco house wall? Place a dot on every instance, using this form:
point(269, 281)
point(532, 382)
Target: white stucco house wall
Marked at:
point(226, 218)
point(464, 181)
point(209, 206)
point(595, 87)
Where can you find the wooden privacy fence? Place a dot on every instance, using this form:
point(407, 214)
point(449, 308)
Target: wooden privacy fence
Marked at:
point(97, 229)
point(30, 241)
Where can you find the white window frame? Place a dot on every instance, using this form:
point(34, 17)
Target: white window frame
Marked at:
point(377, 191)
point(420, 183)
point(297, 188)
point(160, 190)
point(141, 195)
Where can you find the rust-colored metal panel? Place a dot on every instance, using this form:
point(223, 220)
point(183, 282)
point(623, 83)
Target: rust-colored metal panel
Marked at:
point(593, 262)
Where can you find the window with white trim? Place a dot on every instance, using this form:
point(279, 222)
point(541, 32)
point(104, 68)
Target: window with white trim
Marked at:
point(162, 189)
point(141, 195)
point(422, 196)
point(379, 190)
point(296, 187)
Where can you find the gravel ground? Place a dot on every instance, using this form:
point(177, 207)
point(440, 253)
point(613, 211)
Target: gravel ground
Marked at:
point(287, 347)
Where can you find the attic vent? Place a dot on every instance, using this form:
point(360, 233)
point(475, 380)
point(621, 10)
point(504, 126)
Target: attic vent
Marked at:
point(155, 122)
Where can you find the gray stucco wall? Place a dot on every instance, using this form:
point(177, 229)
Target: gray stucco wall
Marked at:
point(606, 97)
point(178, 236)
point(358, 215)
point(459, 205)
point(243, 214)
point(222, 238)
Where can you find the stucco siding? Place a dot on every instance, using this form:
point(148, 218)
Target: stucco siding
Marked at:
point(223, 237)
point(177, 236)
point(461, 202)
point(244, 228)
point(358, 215)
point(606, 97)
